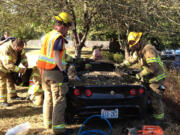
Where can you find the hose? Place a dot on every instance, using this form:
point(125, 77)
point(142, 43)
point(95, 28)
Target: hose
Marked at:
point(94, 131)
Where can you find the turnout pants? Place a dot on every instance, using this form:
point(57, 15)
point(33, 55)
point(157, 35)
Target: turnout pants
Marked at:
point(7, 87)
point(54, 101)
point(156, 100)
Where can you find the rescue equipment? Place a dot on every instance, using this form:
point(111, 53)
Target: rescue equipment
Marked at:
point(94, 131)
point(146, 130)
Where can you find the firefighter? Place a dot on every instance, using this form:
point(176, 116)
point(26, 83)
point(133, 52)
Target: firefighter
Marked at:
point(51, 63)
point(152, 72)
point(35, 91)
point(6, 38)
point(8, 59)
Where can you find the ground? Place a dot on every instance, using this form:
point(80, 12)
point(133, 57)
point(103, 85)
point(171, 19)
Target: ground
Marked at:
point(24, 111)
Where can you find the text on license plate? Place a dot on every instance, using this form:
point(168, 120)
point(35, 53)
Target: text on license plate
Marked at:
point(110, 114)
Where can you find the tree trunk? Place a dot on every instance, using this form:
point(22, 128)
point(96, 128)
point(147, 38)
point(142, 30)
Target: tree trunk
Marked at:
point(126, 48)
point(78, 50)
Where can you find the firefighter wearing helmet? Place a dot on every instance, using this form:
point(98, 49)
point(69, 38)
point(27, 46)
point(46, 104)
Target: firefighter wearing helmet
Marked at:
point(51, 63)
point(152, 72)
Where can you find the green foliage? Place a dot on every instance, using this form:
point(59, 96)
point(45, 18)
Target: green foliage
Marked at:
point(107, 55)
point(26, 33)
point(115, 57)
point(106, 17)
point(118, 57)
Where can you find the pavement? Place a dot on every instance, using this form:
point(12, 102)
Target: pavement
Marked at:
point(32, 56)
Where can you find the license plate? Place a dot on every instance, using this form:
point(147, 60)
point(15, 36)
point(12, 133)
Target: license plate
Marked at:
point(110, 114)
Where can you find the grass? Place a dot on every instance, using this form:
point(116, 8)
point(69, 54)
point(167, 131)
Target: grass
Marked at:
point(24, 111)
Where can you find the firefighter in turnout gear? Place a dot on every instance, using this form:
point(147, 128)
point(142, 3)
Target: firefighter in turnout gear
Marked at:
point(9, 59)
point(36, 94)
point(152, 72)
point(51, 63)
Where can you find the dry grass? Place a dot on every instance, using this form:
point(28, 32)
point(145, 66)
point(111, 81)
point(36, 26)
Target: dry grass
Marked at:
point(24, 111)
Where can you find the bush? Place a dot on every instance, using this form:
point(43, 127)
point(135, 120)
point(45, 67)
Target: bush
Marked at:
point(118, 57)
point(107, 55)
point(115, 57)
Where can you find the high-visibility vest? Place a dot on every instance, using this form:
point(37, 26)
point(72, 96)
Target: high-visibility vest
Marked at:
point(46, 58)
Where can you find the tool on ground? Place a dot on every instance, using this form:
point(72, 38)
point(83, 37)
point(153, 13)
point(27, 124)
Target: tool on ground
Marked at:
point(145, 130)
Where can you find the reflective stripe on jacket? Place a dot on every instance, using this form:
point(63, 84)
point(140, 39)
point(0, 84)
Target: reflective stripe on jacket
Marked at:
point(160, 76)
point(46, 60)
point(152, 64)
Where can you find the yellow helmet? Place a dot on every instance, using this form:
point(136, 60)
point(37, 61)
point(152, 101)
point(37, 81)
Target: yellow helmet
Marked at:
point(64, 17)
point(133, 38)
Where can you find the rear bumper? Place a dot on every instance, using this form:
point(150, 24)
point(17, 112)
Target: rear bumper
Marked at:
point(124, 111)
point(81, 107)
point(129, 109)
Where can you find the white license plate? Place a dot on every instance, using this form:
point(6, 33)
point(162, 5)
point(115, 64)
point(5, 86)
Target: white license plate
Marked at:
point(110, 114)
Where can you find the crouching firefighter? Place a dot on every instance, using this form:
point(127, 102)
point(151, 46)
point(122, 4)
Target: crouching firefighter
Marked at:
point(152, 73)
point(9, 61)
point(36, 94)
point(51, 63)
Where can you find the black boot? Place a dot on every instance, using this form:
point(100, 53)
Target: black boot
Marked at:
point(5, 104)
point(17, 98)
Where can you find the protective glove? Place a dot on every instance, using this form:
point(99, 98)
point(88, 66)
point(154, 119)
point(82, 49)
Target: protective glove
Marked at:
point(141, 78)
point(22, 70)
point(138, 76)
point(65, 76)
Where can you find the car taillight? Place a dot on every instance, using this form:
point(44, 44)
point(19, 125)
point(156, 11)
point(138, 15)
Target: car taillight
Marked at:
point(77, 92)
point(133, 92)
point(141, 91)
point(88, 93)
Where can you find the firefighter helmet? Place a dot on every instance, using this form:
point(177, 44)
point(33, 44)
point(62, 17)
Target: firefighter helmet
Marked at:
point(133, 38)
point(64, 17)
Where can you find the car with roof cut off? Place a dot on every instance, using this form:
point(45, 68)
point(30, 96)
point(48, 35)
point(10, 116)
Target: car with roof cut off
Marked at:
point(103, 90)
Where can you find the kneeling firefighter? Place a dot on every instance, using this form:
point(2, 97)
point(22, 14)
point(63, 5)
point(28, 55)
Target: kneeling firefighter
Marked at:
point(36, 94)
point(152, 73)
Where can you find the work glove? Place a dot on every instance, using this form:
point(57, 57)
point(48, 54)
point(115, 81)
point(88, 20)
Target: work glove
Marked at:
point(22, 70)
point(65, 76)
point(138, 76)
point(141, 78)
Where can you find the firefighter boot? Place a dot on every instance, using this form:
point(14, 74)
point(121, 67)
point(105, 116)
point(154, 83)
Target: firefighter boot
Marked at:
point(5, 104)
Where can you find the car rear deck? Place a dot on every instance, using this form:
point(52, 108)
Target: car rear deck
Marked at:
point(111, 94)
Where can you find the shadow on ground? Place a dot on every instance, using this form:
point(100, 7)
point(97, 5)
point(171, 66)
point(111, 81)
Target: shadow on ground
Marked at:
point(20, 111)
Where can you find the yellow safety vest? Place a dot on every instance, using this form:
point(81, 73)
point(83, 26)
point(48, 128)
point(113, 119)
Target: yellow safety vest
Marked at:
point(46, 58)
